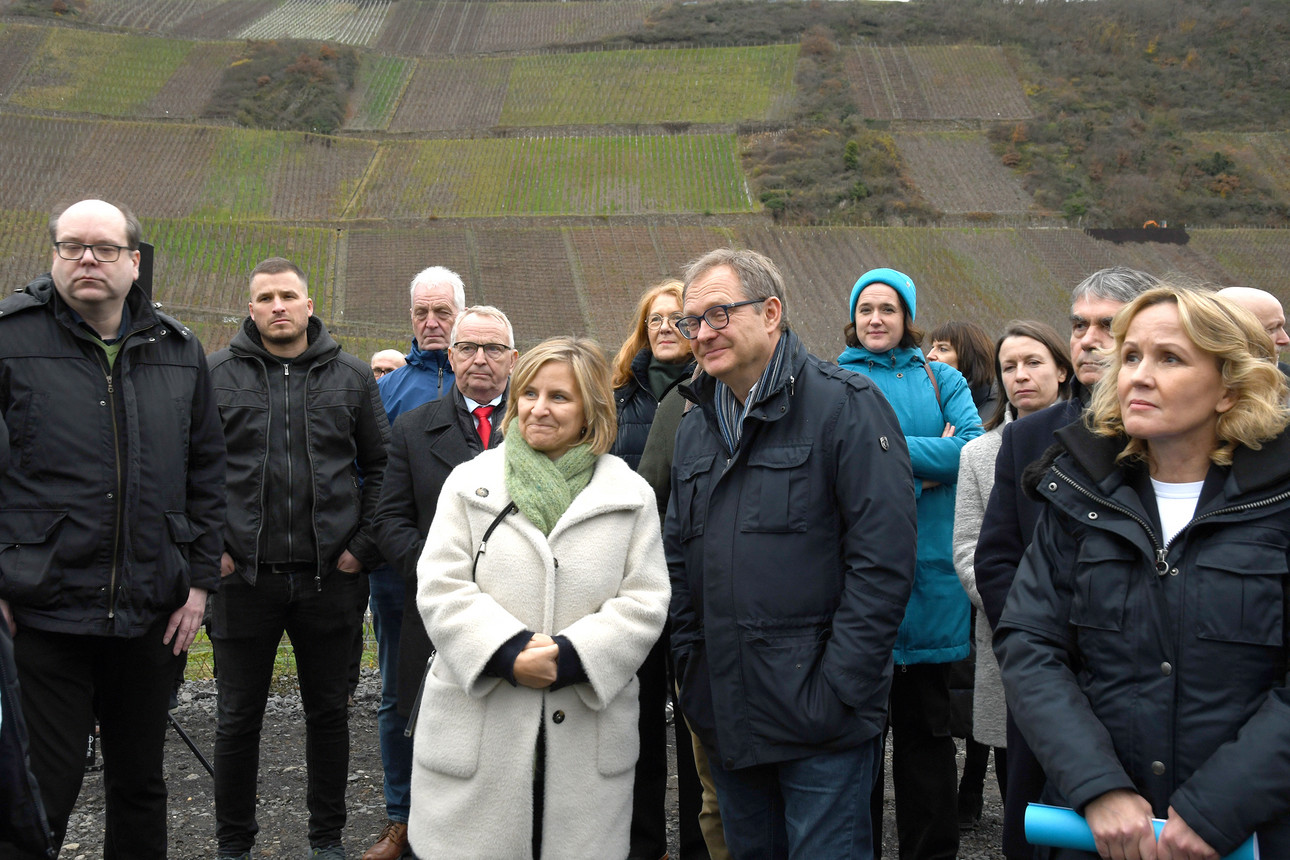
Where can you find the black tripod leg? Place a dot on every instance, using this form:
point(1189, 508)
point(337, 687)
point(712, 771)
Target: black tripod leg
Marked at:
point(183, 736)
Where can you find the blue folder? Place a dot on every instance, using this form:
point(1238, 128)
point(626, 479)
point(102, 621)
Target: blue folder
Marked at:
point(1058, 827)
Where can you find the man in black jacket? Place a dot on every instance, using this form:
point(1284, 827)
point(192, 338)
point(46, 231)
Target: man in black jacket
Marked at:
point(110, 514)
point(301, 419)
point(426, 444)
point(790, 538)
point(1010, 515)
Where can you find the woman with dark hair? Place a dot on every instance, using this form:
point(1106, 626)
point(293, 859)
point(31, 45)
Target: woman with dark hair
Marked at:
point(1144, 642)
point(966, 347)
point(1034, 370)
point(542, 585)
point(936, 413)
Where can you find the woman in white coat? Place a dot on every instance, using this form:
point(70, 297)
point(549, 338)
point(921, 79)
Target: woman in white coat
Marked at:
point(1031, 364)
point(542, 587)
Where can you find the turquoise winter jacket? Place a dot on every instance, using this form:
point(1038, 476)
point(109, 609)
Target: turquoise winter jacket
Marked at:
point(935, 629)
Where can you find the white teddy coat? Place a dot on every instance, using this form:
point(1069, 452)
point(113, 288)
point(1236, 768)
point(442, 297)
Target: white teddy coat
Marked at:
point(599, 579)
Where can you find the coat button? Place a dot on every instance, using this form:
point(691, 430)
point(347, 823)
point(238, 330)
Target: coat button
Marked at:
point(1166, 669)
point(557, 717)
point(1052, 485)
point(482, 492)
point(1158, 768)
point(1092, 515)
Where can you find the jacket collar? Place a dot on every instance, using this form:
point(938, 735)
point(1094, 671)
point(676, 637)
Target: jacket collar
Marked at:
point(701, 390)
point(893, 358)
point(427, 359)
point(247, 342)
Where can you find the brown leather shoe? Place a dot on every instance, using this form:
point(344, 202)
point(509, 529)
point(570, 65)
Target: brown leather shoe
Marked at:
point(391, 844)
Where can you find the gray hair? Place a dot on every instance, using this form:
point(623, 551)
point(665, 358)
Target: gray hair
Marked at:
point(483, 311)
point(759, 277)
point(433, 277)
point(1118, 284)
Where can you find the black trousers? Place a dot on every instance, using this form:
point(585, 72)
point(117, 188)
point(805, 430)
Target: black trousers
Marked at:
point(67, 680)
point(924, 772)
point(247, 623)
point(649, 797)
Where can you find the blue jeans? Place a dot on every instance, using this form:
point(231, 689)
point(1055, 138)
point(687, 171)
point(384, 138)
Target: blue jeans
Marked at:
point(396, 750)
point(814, 808)
point(247, 623)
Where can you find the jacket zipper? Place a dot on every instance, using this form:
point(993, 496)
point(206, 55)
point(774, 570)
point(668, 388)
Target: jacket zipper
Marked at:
point(313, 473)
point(116, 459)
point(286, 418)
point(1162, 552)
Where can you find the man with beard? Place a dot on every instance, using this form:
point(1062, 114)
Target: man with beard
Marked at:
point(306, 434)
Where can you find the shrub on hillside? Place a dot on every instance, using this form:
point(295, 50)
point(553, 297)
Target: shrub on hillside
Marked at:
point(287, 85)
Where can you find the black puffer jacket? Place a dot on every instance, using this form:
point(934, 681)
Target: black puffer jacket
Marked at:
point(791, 564)
point(345, 425)
point(1133, 664)
point(77, 485)
point(636, 406)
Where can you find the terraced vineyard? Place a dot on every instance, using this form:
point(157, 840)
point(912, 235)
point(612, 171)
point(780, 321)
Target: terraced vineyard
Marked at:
point(555, 176)
point(193, 83)
point(158, 16)
point(108, 75)
point(705, 85)
point(353, 23)
point(451, 94)
point(935, 82)
point(381, 82)
point(959, 174)
point(1266, 154)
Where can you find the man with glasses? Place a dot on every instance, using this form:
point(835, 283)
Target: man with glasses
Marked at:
point(386, 361)
point(303, 422)
point(437, 296)
point(111, 508)
point(426, 444)
point(790, 539)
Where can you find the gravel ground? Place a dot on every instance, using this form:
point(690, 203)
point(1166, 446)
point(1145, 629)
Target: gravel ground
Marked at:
point(282, 812)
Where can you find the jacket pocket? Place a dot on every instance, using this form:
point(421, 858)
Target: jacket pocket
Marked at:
point(183, 531)
point(1101, 583)
point(450, 729)
point(788, 700)
point(618, 739)
point(776, 490)
point(28, 546)
point(693, 482)
point(1240, 596)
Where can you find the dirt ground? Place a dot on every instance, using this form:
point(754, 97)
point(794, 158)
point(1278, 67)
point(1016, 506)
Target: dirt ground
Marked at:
point(282, 812)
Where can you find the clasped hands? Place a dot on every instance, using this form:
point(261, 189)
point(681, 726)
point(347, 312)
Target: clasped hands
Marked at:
point(1122, 828)
point(537, 665)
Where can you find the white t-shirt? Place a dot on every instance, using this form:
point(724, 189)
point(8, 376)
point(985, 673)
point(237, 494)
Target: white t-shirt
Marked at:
point(1176, 504)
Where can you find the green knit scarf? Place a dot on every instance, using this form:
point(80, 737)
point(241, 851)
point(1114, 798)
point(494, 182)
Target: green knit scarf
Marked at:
point(544, 488)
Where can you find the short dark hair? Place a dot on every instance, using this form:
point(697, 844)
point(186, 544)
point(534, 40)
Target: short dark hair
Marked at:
point(975, 351)
point(278, 265)
point(133, 229)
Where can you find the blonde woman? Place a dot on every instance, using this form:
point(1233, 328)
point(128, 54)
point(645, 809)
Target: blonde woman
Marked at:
point(1144, 644)
point(542, 586)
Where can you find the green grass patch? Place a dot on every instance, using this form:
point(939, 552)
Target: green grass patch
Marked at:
point(242, 175)
point(201, 657)
point(99, 73)
point(207, 264)
point(380, 83)
point(708, 85)
point(556, 176)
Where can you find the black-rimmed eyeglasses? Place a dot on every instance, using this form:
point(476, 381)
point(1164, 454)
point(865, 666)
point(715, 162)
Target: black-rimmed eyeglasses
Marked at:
point(717, 317)
point(102, 253)
point(493, 351)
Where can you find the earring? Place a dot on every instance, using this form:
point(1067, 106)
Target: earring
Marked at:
point(582, 432)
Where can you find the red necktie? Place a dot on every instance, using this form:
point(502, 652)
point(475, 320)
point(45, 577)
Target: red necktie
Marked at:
point(485, 429)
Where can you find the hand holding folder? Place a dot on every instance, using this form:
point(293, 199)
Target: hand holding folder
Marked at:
point(1058, 827)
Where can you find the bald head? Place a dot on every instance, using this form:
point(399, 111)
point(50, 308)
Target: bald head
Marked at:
point(1263, 305)
point(385, 361)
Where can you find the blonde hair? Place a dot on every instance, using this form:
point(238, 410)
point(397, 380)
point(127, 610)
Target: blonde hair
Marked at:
point(590, 373)
point(1245, 358)
point(639, 338)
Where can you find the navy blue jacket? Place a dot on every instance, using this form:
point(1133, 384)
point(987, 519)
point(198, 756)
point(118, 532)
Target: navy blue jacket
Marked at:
point(1160, 667)
point(791, 564)
point(636, 406)
point(1010, 515)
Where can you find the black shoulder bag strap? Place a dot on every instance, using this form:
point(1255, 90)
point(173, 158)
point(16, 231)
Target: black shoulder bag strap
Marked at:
point(510, 508)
